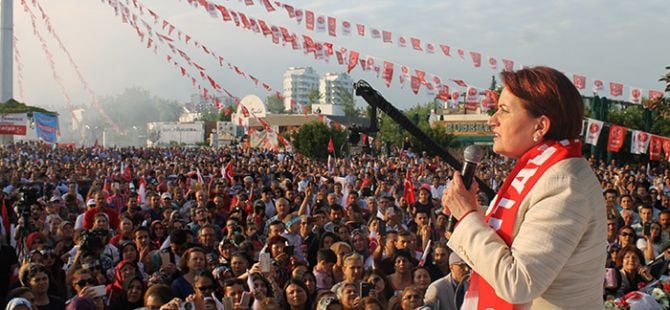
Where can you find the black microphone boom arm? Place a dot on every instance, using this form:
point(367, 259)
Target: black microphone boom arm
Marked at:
point(377, 101)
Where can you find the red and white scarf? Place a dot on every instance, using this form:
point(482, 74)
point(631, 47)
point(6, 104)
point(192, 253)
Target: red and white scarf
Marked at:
point(502, 217)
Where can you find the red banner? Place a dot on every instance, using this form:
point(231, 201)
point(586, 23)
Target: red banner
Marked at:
point(387, 75)
point(332, 26)
point(416, 84)
point(616, 137)
point(309, 20)
point(616, 89)
point(655, 147)
point(353, 60)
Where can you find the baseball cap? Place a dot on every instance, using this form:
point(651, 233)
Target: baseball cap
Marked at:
point(166, 196)
point(90, 202)
point(55, 199)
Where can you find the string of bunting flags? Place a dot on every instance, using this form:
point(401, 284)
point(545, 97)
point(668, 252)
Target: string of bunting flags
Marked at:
point(641, 142)
point(321, 23)
point(348, 58)
point(80, 77)
point(19, 67)
point(50, 59)
point(168, 39)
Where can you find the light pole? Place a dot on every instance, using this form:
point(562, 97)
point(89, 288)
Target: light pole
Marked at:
point(6, 57)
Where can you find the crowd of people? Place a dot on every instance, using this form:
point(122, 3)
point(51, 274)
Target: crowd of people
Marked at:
point(164, 228)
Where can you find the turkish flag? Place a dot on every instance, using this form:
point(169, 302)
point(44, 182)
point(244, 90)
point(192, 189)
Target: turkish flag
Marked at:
point(579, 81)
point(386, 36)
point(332, 26)
point(616, 89)
point(416, 43)
point(655, 147)
point(267, 5)
point(387, 76)
point(460, 83)
point(616, 137)
point(353, 60)
point(227, 172)
point(445, 49)
point(331, 146)
point(309, 20)
point(421, 75)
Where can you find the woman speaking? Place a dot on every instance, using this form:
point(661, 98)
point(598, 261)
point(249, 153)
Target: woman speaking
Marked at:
point(542, 243)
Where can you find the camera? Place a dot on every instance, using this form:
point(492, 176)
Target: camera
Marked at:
point(92, 240)
point(365, 289)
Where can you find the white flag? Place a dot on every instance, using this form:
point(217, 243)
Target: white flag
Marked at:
point(635, 95)
point(594, 127)
point(640, 142)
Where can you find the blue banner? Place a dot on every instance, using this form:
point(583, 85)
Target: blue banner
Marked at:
point(46, 126)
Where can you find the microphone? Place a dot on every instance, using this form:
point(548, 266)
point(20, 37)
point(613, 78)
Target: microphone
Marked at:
point(473, 154)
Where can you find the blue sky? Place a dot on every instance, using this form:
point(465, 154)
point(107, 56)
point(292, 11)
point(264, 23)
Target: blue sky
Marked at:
point(621, 41)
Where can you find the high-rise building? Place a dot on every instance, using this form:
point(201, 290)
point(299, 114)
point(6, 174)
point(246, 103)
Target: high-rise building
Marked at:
point(333, 85)
point(332, 88)
point(298, 82)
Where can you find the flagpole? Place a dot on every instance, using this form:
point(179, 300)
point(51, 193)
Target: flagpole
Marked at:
point(7, 58)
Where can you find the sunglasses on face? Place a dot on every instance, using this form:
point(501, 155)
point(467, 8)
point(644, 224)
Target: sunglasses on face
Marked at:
point(627, 234)
point(83, 283)
point(206, 288)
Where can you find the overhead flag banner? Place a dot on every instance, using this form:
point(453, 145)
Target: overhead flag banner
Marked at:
point(13, 124)
point(46, 126)
point(616, 137)
point(640, 142)
point(579, 81)
point(655, 147)
point(594, 127)
point(635, 95)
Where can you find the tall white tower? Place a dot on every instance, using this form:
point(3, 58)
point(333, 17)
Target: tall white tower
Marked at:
point(298, 82)
point(6, 57)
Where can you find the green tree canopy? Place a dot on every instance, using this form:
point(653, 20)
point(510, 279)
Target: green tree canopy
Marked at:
point(391, 133)
point(274, 104)
point(311, 140)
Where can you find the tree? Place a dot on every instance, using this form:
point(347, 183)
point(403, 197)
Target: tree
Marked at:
point(274, 104)
point(314, 96)
point(391, 133)
point(311, 140)
point(666, 79)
